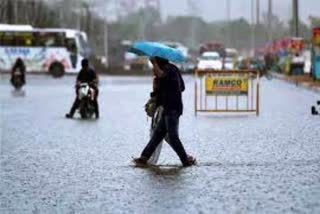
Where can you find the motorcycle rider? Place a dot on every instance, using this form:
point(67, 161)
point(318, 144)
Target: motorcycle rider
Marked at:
point(19, 65)
point(86, 75)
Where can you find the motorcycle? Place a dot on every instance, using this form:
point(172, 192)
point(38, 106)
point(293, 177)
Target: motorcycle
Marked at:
point(86, 97)
point(17, 79)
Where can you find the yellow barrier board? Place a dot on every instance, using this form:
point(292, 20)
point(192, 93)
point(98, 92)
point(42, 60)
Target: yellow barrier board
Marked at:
point(226, 85)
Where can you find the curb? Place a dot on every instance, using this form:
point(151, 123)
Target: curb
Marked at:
point(304, 85)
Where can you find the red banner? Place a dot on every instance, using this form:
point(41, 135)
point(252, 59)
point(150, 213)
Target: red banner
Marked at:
point(296, 44)
point(316, 36)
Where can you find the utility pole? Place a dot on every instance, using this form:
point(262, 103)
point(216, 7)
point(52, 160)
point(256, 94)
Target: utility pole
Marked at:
point(270, 20)
point(295, 19)
point(105, 4)
point(10, 11)
point(258, 11)
point(155, 4)
point(253, 29)
point(15, 9)
point(159, 9)
point(2, 10)
point(228, 16)
point(193, 10)
point(61, 15)
point(105, 41)
point(79, 11)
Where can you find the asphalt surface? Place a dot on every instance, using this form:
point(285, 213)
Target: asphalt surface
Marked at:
point(246, 164)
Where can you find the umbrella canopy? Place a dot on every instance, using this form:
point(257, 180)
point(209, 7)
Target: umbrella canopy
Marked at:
point(153, 49)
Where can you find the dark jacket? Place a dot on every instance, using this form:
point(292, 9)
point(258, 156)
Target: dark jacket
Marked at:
point(169, 92)
point(87, 76)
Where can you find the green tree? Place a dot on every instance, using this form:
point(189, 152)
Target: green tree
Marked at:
point(315, 21)
point(304, 30)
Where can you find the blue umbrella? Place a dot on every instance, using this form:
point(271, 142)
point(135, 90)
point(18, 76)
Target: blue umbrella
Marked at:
point(153, 49)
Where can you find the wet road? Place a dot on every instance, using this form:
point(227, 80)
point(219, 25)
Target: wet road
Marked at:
point(247, 164)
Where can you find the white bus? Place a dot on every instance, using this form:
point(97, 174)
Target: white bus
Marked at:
point(43, 49)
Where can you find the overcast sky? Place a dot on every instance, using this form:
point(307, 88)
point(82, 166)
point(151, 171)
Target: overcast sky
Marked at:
point(212, 10)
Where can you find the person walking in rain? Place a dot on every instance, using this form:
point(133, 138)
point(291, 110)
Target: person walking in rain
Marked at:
point(169, 96)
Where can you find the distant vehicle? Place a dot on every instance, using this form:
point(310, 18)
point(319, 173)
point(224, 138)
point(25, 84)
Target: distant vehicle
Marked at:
point(189, 65)
point(213, 47)
point(135, 62)
point(43, 49)
point(184, 50)
point(229, 63)
point(231, 58)
point(132, 61)
point(209, 60)
point(251, 63)
point(297, 64)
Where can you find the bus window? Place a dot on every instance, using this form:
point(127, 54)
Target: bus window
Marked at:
point(84, 47)
point(7, 39)
point(50, 39)
point(32, 39)
point(71, 45)
point(24, 39)
point(16, 39)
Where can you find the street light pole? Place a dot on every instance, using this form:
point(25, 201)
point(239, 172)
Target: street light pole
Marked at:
point(106, 44)
point(270, 20)
point(253, 33)
point(228, 14)
point(194, 13)
point(258, 11)
point(295, 7)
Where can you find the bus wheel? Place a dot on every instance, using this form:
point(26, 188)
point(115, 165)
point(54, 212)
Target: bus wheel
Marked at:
point(56, 69)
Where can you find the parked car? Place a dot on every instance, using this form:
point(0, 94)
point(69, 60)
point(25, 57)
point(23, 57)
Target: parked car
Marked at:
point(251, 63)
point(189, 65)
point(209, 60)
point(229, 63)
point(231, 58)
point(133, 61)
